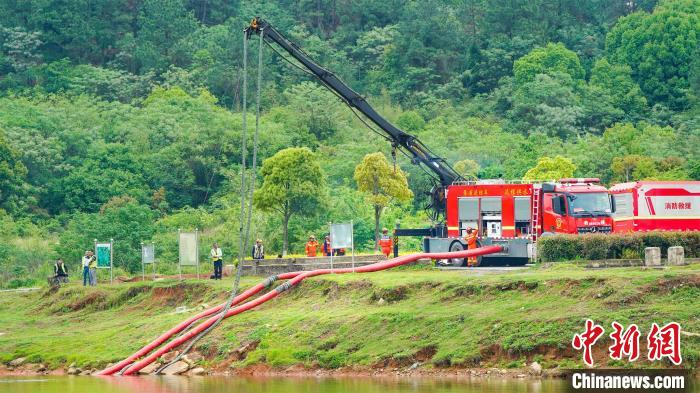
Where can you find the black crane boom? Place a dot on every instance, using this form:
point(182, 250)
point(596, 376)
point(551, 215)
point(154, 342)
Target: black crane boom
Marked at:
point(418, 151)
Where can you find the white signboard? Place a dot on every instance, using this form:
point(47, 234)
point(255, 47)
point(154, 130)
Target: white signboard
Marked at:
point(148, 254)
point(188, 249)
point(341, 235)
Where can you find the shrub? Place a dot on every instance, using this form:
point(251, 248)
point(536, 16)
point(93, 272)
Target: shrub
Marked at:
point(559, 248)
point(615, 246)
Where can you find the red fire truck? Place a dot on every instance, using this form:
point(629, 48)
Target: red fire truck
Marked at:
point(515, 214)
point(656, 206)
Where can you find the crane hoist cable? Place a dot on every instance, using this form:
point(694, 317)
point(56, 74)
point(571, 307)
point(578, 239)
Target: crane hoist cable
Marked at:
point(245, 216)
point(354, 112)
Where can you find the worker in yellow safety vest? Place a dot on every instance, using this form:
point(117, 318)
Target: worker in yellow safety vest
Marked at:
point(217, 256)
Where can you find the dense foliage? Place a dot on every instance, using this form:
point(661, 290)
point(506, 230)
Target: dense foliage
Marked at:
point(109, 109)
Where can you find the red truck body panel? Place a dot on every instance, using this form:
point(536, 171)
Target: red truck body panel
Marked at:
point(657, 206)
point(506, 211)
point(477, 192)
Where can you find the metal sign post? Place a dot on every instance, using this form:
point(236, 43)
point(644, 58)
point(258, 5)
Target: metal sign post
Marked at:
point(352, 244)
point(111, 260)
point(143, 266)
point(153, 245)
point(330, 234)
point(179, 255)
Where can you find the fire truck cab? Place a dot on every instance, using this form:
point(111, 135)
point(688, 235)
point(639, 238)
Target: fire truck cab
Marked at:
point(515, 214)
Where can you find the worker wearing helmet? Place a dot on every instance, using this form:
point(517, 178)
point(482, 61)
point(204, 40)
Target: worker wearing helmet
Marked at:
point(386, 243)
point(472, 236)
point(326, 249)
point(311, 247)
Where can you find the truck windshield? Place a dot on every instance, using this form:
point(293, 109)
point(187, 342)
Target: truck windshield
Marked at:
point(591, 203)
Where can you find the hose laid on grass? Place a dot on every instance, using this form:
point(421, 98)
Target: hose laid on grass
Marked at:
point(296, 279)
point(183, 325)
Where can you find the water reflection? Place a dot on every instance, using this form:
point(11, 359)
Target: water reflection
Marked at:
point(270, 385)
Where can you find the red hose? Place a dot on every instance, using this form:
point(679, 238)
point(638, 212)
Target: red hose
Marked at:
point(183, 325)
point(296, 277)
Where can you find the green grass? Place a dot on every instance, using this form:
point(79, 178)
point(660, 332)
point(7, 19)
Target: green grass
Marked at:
point(439, 318)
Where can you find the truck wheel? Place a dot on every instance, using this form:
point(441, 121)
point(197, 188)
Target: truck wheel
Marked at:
point(480, 257)
point(457, 246)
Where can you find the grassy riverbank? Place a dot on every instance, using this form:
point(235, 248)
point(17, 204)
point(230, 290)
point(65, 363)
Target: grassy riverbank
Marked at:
point(382, 320)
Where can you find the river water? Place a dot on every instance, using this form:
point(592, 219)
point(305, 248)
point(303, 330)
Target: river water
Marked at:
point(64, 384)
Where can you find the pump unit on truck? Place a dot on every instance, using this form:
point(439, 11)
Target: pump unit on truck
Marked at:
point(656, 206)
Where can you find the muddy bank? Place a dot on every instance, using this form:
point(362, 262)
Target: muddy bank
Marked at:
point(531, 371)
point(302, 371)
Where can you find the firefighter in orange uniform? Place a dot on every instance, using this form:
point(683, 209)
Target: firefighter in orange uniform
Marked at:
point(472, 235)
point(386, 243)
point(311, 247)
point(326, 249)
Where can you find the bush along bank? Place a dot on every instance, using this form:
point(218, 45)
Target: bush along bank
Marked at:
point(614, 246)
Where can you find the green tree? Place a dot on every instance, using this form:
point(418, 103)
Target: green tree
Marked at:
point(12, 175)
point(293, 184)
point(382, 184)
point(21, 48)
point(598, 109)
point(551, 59)
point(161, 24)
point(644, 139)
point(660, 48)
point(108, 171)
point(469, 169)
point(633, 167)
point(494, 62)
point(549, 168)
point(672, 168)
point(318, 111)
point(694, 169)
point(616, 80)
point(373, 46)
point(410, 121)
point(547, 104)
